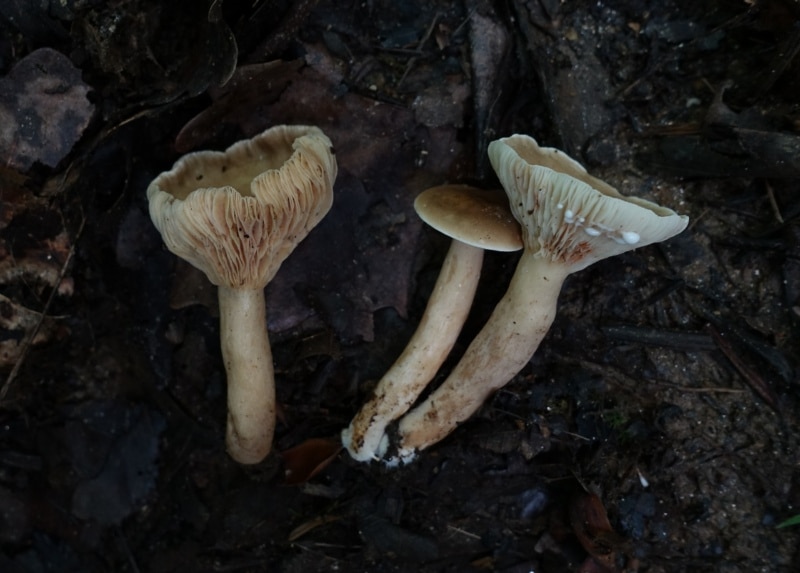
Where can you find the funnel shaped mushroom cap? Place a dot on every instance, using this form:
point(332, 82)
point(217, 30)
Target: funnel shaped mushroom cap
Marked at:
point(568, 216)
point(236, 215)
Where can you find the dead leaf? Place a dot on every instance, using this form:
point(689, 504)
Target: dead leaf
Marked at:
point(441, 105)
point(34, 244)
point(251, 88)
point(751, 143)
point(16, 322)
point(746, 367)
point(157, 52)
point(594, 532)
point(190, 286)
point(43, 110)
point(304, 461)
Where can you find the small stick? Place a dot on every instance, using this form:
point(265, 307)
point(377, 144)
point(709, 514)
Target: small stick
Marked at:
point(420, 45)
point(753, 378)
point(29, 338)
point(773, 203)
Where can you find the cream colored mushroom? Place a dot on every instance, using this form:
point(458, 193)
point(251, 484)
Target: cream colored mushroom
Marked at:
point(569, 221)
point(236, 215)
point(476, 220)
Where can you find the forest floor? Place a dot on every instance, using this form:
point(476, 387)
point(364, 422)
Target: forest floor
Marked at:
point(655, 429)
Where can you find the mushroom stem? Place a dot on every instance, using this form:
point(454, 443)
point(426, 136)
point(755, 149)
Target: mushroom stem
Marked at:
point(251, 381)
point(433, 340)
point(500, 350)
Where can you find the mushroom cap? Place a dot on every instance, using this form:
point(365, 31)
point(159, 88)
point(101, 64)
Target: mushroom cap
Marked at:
point(477, 217)
point(568, 216)
point(237, 214)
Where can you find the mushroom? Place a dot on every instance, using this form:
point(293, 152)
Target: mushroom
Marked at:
point(569, 221)
point(476, 220)
point(236, 215)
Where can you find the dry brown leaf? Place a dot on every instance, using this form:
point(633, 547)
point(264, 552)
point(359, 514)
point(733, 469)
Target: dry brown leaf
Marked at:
point(43, 110)
point(304, 461)
point(592, 528)
point(251, 88)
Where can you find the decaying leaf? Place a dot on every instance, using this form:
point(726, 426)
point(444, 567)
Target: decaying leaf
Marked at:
point(34, 244)
point(592, 528)
point(157, 52)
point(34, 252)
point(306, 460)
point(251, 88)
point(16, 323)
point(728, 144)
point(43, 110)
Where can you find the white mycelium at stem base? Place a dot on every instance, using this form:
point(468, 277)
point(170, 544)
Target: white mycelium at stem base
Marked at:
point(476, 220)
point(236, 215)
point(569, 220)
point(500, 350)
point(435, 336)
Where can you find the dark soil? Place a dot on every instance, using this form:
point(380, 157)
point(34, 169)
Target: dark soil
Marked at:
point(665, 396)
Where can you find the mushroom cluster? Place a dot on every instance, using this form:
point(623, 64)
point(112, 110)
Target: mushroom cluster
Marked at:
point(569, 220)
point(236, 215)
point(476, 220)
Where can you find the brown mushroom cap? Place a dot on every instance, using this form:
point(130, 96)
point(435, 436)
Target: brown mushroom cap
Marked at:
point(568, 216)
point(236, 215)
point(477, 217)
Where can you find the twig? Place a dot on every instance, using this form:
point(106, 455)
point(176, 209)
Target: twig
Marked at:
point(307, 526)
point(649, 336)
point(127, 550)
point(620, 379)
point(420, 45)
point(574, 435)
point(27, 342)
point(463, 23)
point(750, 375)
point(463, 531)
point(700, 390)
point(773, 203)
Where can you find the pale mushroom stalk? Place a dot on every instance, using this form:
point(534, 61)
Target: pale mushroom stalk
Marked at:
point(247, 357)
point(475, 220)
point(500, 350)
point(569, 220)
point(436, 334)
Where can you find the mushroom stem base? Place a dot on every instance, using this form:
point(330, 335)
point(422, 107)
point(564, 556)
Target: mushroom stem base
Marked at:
point(248, 363)
point(500, 350)
point(447, 309)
